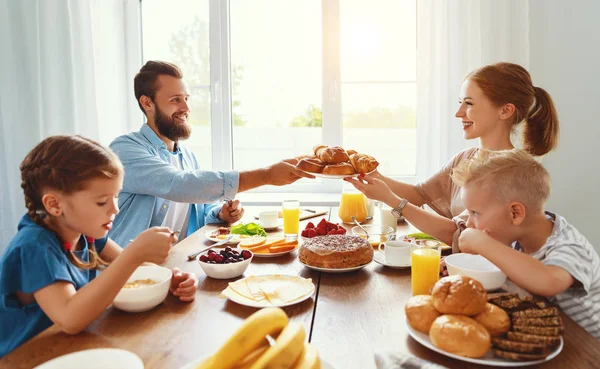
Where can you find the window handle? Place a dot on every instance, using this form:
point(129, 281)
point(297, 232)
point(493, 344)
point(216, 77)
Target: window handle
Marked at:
point(216, 92)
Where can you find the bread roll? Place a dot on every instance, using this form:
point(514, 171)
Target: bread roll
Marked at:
point(458, 294)
point(331, 154)
point(339, 169)
point(494, 319)
point(420, 312)
point(312, 165)
point(460, 335)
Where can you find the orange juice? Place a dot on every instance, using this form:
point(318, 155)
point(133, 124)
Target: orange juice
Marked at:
point(352, 204)
point(425, 265)
point(291, 221)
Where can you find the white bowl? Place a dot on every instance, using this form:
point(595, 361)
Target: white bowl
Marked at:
point(145, 298)
point(476, 267)
point(226, 271)
point(95, 359)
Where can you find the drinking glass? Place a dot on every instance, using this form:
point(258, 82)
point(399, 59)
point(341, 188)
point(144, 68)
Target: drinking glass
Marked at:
point(425, 267)
point(291, 218)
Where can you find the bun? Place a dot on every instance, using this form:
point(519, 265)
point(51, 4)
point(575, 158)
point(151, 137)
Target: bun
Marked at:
point(331, 154)
point(363, 163)
point(494, 319)
point(312, 165)
point(460, 335)
point(350, 152)
point(339, 169)
point(420, 312)
point(458, 294)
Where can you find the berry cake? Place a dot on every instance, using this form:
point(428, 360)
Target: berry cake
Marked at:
point(336, 252)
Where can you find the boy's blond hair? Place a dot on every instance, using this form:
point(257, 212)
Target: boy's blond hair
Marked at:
point(510, 175)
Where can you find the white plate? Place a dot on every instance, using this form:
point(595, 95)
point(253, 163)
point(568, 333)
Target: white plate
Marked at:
point(336, 176)
point(488, 359)
point(273, 228)
point(273, 255)
point(334, 270)
point(233, 241)
point(95, 359)
point(379, 257)
point(193, 364)
point(263, 304)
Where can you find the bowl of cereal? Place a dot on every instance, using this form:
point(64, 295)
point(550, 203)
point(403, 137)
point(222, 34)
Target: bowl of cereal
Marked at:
point(147, 287)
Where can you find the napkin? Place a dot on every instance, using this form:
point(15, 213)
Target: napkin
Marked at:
point(385, 359)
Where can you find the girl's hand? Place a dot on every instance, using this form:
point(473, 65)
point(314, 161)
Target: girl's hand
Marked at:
point(373, 188)
point(152, 245)
point(184, 285)
point(231, 211)
point(471, 240)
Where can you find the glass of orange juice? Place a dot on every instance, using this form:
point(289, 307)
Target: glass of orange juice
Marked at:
point(425, 266)
point(291, 218)
point(352, 204)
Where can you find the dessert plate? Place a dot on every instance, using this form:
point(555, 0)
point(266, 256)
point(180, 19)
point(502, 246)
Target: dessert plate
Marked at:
point(274, 285)
point(335, 270)
point(95, 359)
point(488, 359)
point(272, 255)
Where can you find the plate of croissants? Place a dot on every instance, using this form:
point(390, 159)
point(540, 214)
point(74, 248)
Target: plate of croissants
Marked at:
point(335, 162)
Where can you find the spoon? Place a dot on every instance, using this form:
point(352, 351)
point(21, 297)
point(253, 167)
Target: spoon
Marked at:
point(193, 256)
point(358, 224)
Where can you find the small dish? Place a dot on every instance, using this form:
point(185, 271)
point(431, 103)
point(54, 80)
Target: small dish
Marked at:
point(376, 233)
point(379, 258)
point(225, 271)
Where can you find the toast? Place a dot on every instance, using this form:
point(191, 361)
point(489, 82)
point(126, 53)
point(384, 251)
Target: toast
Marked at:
point(535, 332)
point(515, 356)
point(551, 341)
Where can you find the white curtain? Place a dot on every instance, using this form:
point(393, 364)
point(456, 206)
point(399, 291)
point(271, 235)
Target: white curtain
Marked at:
point(66, 67)
point(453, 38)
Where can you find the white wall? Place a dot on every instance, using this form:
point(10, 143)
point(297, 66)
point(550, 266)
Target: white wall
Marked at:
point(565, 60)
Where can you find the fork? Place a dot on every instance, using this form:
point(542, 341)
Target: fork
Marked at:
point(193, 256)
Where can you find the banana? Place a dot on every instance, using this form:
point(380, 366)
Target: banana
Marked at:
point(309, 359)
point(286, 350)
point(250, 336)
point(250, 359)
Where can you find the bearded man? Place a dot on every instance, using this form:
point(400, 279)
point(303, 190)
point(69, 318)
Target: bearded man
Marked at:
point(163, 184)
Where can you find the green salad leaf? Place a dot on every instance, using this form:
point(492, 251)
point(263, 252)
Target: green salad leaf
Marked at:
point(420, 236)
point(250, 229)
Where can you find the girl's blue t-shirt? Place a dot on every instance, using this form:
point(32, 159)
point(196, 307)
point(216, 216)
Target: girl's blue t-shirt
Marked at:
point(33, 260)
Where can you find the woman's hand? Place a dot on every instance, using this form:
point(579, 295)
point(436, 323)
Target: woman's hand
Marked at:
point(184, 285)
point(374, 188)
point(231, 211)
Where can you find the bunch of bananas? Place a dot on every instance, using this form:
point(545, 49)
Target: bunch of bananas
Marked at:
point(248, 347)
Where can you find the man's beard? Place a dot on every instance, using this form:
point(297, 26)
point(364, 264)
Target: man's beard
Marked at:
point(167, 127)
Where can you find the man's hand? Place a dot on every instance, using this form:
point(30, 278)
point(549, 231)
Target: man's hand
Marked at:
point(284, 173)
point(231, 211)
point(471, 240)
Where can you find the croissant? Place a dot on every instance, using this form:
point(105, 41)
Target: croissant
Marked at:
point(331, 154)
point(363, 163)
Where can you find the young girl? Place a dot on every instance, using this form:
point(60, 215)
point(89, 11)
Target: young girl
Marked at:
point(494, 100)
point(49, 272)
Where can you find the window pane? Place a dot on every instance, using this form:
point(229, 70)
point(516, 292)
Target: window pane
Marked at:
point(276, 79)
point(378, 40)
point(378, 69)
point(178, 32)
point(379, 119)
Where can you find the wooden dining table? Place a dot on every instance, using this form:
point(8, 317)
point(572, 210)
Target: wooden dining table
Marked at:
point(349, 318)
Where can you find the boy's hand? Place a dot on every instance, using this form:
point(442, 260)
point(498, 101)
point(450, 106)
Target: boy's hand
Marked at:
point(471, 240)
point(231, 211)
point(443, 268)
point(184, 285)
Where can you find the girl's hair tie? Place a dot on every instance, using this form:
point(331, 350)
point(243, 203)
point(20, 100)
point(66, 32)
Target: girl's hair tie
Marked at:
point(67, 246)
point(90, 240)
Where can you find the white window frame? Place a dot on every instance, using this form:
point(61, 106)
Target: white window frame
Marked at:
point(221, 94)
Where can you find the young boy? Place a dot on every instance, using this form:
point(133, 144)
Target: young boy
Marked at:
point(504, 193)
